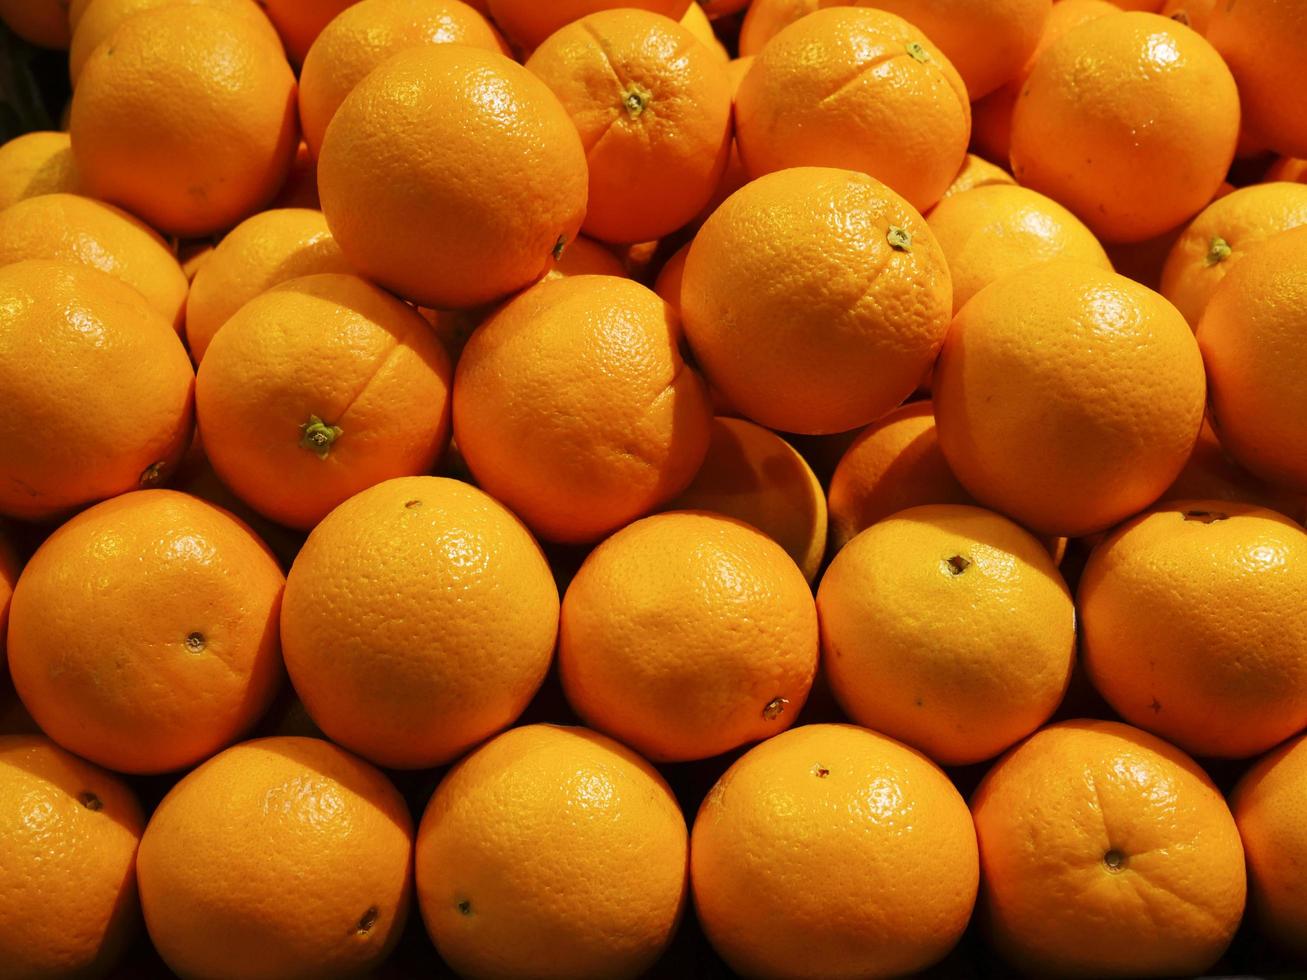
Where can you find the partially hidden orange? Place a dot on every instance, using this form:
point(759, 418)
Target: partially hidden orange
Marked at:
point(36, 163)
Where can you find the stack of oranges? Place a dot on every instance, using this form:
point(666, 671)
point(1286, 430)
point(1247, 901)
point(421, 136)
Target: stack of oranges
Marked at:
point(615, 488)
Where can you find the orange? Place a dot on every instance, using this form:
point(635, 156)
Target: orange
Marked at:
point(528, 22)
point(948, 627)
point(1106, 853)
point(68, 847)
point(300, 189)
point(102, 17)
point(281, 857)
point(1254, 340)
point(670, 276)
point(1192, 13)
point(1285, 168)
point(552, 852)
point(185, 116)
point(9, 569)
point(1129, 121)
point(573, 405)
point(1209, 596)
point(40, 22)
point(1265, 44)
point(722, 8)
point(991, 232)
point(991, 117)
point(1067, 397)
point(113, 654)
point(686, 635)
point(755, 476)
point(1222, 234)
point(1149, 6)
point(479, 189)
point(856, 88)
point(586, 257)
point(443, 585)
point(1268, 807)
point(78, 230)
point(299, 22)
point(317, 389)
point(36, 163)
point(976, 172)
point(985, 40)
point(261, 252)
point(697, 23)
point(653, 107)
point(815, 299)
point(1210, 474)
point(366, 34)
point(98, 389)
point(193, 253)
point(76, 10)
point(832, 851)
point(893, 464)
point(766, 18)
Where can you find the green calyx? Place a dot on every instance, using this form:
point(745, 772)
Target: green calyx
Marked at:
point(635, 100)
point(318, 437)
point(917, 52)
point(1218, 251)
point(899, 239)
point(559, 246)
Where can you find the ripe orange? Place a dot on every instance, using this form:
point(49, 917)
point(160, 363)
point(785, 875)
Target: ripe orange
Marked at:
point(76, 10)
point(948, 627)
point(686, 635)
point(670, 276)
point(991, 232)
point(815, 299)
point(40, 22)
point(1210, 474)
point(1107, 853)
point(695, 20)
point(68, 847)
point(288, 850)
point(1194, 625)
point(444, 586)
point(976, 172)
point(192, 254)
point(586, 257)
point(552, 852)
point(185, 116)
point(78, 230)
point(300, 189)
point(1130, 121)
point(1222, 234)
point(722, 8)
point(112, 653)
point(366, 34)
point(9, 569)
point(1068, 398)
point(573, 406)
point(1192, 13)
point(893, 464)
point(766, 18)
point(856, 88)
point(1285, 168)
point(653, 107)
point(299, 22)
point(481, 185)
point(36, 163)
point(1268, 806)
point(97, 389)
point(833, 851)
point(1265, 44)
point(317, 389)
point(1253, 336)
point(261, 252)
point(755, 476)
point(528, 22)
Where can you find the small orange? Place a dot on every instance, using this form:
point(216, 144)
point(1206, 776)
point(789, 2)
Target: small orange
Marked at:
point(1285, 168)
point(1067, 397)
point(1253, 336)
point(1265, 44)
point(40, 22)
point(299, 22)
point(832, 851)
point(1129, 121)
point(856, 88)
point(1107, 853)
point(36, 163)
point(366, 34)
point(755, 476)
point(97, 389)
point(261, 252)
point(686, 635)
point(815, 299)
point(552, 852)
point(695, 20)
point(948, 627)
point(481, 185)
point(113, 654)
point(573, 405)
point(766, 18)
point(1268, 807)
point(586, 257)
point(670, 276)
point(976, 172)
point(317, 389)
point(893, 464)
point(193, 253)
point(1192, 13)
point(443, 585)
point(282, 857)
point(1210, 474)
point(991, 232)
point(9, 569)
point(78, 230)
point(1194, 625)
point(185, 116)
point(68, 839)
point(653, 107)
point(528, 22)
point(1222, 234)
point(300, 189)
